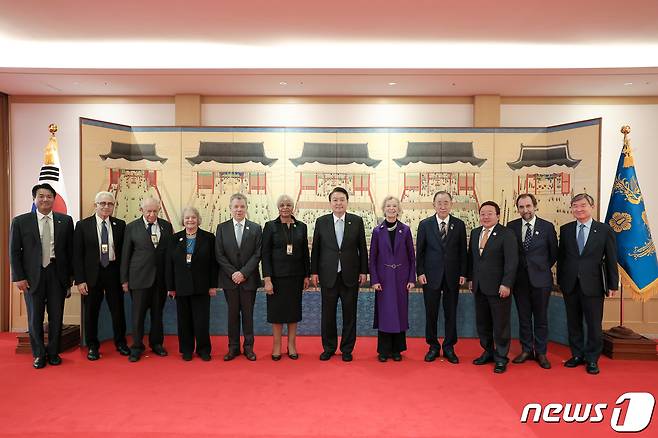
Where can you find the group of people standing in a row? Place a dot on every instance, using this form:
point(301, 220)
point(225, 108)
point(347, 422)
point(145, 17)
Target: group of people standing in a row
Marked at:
point(145, 258)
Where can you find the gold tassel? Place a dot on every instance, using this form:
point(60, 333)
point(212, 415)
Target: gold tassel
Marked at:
point(637, 294)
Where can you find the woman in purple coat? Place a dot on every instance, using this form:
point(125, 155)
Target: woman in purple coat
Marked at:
point(392, 274)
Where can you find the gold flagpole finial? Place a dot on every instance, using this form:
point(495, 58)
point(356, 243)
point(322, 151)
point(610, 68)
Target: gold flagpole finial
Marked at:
point(52, 128)
point(51, 147)
point(628, 157)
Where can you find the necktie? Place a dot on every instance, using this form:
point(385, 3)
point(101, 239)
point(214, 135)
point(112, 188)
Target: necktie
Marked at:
point(340, 231)
point(528, 237)
point(483, 241)
point(442, 231)
point(46, 240)
point(238, 234)
point(105, 243)
point(150, 231)
point(581, 238)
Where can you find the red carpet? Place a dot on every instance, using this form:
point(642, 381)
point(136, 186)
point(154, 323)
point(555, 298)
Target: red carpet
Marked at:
point(166, 397)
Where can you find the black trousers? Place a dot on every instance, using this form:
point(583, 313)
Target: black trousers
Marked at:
point(154, 299)
point(108, 286)
point(348, 299)
point(47, 295)
point(492, 319)
point(391, 343)
point(193, 312)
point(578, 306)
point(532, 307)
point(432, 299)
point(240, 303)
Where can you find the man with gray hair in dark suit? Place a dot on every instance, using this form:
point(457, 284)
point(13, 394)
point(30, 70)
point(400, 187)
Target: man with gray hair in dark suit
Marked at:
point(143, 274)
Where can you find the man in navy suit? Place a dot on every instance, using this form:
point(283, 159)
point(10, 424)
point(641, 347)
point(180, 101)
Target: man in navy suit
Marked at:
point(441, 268)
point(586, 272)
point(537, 243)
point(40, 254)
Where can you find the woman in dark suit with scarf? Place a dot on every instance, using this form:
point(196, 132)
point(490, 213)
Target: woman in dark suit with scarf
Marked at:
point(286, 271)
point(191, 271)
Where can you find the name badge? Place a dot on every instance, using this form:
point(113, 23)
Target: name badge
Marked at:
point(105, 248)
point(154, 239)
point(188, 258)
point(289, 249)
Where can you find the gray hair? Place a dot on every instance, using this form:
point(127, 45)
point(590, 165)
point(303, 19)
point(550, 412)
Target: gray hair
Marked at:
point(581, 196)
point(282, 198)
point(148, 200)
point(101, 195)
point(190, 209)
point(391, 198)
point(235, 196)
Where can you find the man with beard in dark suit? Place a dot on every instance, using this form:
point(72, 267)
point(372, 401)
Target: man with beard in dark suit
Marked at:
point(339, 264)
point(586, 272)
point(143, 275)
point(40, 254)
point(537, 242)
point(97, 247)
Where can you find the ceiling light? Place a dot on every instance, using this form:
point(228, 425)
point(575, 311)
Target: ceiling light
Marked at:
point(283, 83)
point(392, 83)
point(628, 83)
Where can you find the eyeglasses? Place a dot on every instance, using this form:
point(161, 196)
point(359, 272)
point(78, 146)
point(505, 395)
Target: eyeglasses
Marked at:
point(105, 204)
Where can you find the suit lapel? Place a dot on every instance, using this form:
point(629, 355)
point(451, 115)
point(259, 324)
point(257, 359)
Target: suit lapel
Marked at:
point(435, 229)
point(593, 232)
point(34, 224)
point(476, 243)
point(230, 230)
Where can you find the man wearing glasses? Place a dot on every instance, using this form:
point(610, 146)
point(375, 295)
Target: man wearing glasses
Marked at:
point(96, 261)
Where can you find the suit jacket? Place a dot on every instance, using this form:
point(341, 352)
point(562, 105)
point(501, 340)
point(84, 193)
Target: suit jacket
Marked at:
point(244, 259)
point(198, 277)
point(535, 264)
point(436, 259)
point(86, 248)
point(599, 258)
point(498, 263)
point(142, 264)
point(276, 262)
point(25, 248)
point(353, 253)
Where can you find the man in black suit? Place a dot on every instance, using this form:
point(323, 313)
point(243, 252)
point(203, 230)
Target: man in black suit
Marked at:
point(339, 264)
point(492, 263)
point(40, 254)
point(237, 249)
point(537, 242)
point(441, 267)
point(586, 272)
point(143, 275)
point(97, 246)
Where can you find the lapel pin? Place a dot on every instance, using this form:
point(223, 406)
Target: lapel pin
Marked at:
point(537, 232)
point(246, 228)
point(452, 226)
point(494, 233)
point(180, 240)
point(349, 223)
point(594, 231)
point(400, 231)
point(114, 223)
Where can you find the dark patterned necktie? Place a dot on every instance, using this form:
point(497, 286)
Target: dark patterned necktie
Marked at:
point(528, 237)
point(442, 231)
point(105, 243)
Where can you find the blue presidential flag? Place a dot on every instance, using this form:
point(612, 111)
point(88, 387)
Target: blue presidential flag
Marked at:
point(638, 266)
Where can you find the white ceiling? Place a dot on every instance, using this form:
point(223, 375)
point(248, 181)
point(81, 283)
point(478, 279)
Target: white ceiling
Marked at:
point(427, 47)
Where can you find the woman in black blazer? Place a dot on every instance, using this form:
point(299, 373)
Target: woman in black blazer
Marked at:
point(192, 279)
point(286, 272)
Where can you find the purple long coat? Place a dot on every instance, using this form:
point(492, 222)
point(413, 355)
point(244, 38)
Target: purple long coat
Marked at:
point(393, 268)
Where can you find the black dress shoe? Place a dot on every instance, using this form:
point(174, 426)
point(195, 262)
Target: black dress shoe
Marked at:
point(134, 356)
point(574, 362)
point(187, 357)
point(347, 357)
point(325, 355)
point(543, 361)
point(39, 362)
point(592, 368)
point(293, 356)
point(231, 355)
point(382, 358)
point(450, 356)
point(431, 355)
point(93, 354)
point(54, 359)
point(250, 355)
point(159, 350)
point(205, 357)
point(276, 357)
point(397, 357)
point(484, 358)
point(500, 367)
point(123, 350)
point(525, 355)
